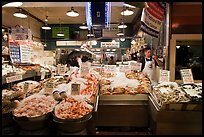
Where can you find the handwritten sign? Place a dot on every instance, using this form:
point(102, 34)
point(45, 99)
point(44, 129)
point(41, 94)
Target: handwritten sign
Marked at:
point(85, 67)
point(135, 66)
point(109, 68)
point(164, 76)
point(124, 68)
point(75, 88)
point(49, 87)
point(26, 86)
point(13, 78)
point(42, 75)
point(186, 75)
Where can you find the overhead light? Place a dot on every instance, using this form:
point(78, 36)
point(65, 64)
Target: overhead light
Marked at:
point(83, 26)
point(120, 34)
point(93, 42)
point(13, 4)
point(127, 12)
point(90, 35)
point(46, 27)
point(122, 39)
point(20, 14)
point(60, 34)
point(72, 13)
point(122, 25)
point(133, 42)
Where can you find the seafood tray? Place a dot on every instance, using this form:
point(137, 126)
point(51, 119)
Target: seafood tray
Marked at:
point(169, 96)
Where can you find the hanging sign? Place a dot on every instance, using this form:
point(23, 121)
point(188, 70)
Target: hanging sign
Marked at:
point(186, 75)
point(164, 76)
point(26, 53)
point(110, 44)
point(152, 18)
point(15, 53)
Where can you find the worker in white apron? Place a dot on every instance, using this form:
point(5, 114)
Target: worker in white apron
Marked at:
point(149, 65)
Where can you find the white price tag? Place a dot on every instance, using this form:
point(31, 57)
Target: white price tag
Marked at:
point(164, 76)
point(124, 68)
point(187, 76)
point(75, 88)
point(42, 75)
point(109, 68)
point(13, 78)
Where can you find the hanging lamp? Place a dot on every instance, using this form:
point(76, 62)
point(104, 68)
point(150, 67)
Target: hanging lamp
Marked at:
point(46, 27)
point(20, 14)
point(72, 13)
point(60, 34)
point(126, 11)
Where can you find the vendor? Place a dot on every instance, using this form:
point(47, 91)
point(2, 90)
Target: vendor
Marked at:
point(149, 64)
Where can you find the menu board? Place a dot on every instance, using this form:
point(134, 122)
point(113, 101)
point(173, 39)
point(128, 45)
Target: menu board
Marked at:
point(187, 76)
point(164, 76)
point(15, 53)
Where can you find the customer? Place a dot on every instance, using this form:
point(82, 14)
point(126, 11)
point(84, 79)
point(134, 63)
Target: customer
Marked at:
point(111, 61)
point(149, 63)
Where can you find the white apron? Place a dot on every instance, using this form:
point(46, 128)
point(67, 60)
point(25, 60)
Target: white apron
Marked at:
point(150, 69)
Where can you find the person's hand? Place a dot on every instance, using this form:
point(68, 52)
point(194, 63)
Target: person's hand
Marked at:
point(154, 57)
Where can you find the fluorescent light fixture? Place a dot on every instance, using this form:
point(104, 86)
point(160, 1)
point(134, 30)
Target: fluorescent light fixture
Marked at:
point(20, 14)
point(13, 4)
point(122, 25)
point(113, 49)
point(128, 5)
point(60, 34)
point(108, 49)
point(72, 13)
point(127, 12)
point(177, 47)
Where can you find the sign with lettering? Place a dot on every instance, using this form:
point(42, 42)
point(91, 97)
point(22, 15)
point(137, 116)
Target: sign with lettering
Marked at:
point(187, 76)
point(13, 78)
point(109, 68)
point(85, 67)
point(75, 88)
point(110, 44)
point(61, 69)
point(124, 68)
point(49, 87)
point(135, 66)
point(164, 76)
point(26, 86)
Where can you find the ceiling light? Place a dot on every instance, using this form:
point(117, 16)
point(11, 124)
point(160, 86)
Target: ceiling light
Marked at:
point(122, 25)
point(72, 13)
point(90, 35)
point(83, 26)
point(46, 27)
point(20, 14)
point(13, 4)
point(133, 42)
point(127, 12)
point(120, 34)
point(60, 34)
point(122, 39)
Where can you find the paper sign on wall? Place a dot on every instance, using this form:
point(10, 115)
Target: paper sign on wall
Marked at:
point(164, 76)
point(187, 76)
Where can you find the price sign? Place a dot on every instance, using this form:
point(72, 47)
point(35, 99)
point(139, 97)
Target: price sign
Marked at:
point(13, 78)
point(135, 66)
point(186, 75)
point(42, 75)
point(49, 87)
point(75, 88)
point(124, 68)
point(109, 68)
point(85, 67)
point(61, 69)
point(164, 76)
point(26, 86)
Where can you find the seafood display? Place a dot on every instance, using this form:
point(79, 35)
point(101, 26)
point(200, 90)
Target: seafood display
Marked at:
point(71, 108)
point(34, 106)
point(194, 91)
point(125, 83)
point(169, 92)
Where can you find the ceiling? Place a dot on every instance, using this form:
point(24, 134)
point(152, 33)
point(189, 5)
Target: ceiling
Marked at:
point(56, 12)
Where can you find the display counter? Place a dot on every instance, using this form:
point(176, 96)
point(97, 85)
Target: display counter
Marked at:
point(169, 122)
point(123, 110)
